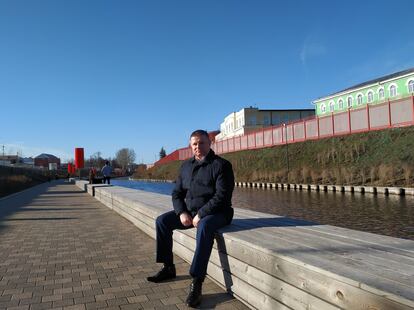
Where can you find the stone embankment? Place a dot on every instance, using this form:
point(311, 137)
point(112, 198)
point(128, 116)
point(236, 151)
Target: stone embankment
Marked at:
point(332, 188)
point(273, 262)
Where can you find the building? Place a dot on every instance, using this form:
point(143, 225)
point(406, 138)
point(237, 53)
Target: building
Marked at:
point(390, 87)
point(27, 161)
point(43, 160)
point(250, 119)
point(9, 159)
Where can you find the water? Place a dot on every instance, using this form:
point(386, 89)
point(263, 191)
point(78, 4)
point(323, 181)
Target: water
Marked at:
point(154, 187)
point(386, 215)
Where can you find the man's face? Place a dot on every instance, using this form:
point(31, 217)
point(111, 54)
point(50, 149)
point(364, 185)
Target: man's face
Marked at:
point(200, 146)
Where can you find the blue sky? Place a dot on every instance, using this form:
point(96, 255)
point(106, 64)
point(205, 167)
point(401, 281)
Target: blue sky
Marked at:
point(144, 74)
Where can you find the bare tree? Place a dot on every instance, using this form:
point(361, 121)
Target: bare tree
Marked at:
point(95, 160)
point(125, 157)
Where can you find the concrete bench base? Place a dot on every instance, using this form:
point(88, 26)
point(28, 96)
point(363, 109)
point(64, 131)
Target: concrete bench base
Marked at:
point(272, 262)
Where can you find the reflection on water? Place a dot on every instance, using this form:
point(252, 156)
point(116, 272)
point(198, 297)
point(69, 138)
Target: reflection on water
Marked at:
point(154, 187)
point(388, 215)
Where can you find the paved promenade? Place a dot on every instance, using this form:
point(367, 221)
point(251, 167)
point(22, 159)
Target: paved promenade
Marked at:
point(62, 249)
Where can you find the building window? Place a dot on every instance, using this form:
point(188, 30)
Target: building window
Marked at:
point(349, 101)
point(323, 108)
point(393, 90)
point(381, 93)
point(331, 106)
point(359, 99)
point(411, 86)
point(341, 104)
point(252, 120)
point(370, 96)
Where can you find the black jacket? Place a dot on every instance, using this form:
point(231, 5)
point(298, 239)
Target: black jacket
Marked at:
point(204, 187)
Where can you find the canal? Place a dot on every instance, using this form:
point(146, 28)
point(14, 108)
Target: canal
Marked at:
point(387, 215)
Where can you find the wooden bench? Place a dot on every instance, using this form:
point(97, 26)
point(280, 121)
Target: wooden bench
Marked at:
point(273, 262)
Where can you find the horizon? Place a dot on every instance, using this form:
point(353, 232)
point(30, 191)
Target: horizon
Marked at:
point(104, 75)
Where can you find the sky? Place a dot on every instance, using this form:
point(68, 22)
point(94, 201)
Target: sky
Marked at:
point(143, 74)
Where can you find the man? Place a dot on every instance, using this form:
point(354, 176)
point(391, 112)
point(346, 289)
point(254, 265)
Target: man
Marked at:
point(201, 199)
point(106, 172)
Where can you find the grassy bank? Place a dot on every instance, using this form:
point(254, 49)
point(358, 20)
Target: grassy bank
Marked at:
point(381, 158)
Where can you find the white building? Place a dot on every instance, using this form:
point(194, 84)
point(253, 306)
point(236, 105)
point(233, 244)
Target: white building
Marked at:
point(250, 119)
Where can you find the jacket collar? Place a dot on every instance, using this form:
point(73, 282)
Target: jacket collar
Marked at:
point(208, 159)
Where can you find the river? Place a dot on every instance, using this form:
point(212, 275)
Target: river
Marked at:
point(387, 215)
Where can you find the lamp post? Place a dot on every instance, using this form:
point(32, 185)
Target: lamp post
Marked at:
point(287, 151)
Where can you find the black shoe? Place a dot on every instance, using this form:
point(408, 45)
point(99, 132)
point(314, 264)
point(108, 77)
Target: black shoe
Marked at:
point(166, 273)
point(194, 296)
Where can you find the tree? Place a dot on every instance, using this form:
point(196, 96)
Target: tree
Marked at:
point(162, 153)
point(95, 160)
point(125, 157)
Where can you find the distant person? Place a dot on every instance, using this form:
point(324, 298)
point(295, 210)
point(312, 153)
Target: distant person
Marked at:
point(106, 172)
point(201, 199)
point(92, 174)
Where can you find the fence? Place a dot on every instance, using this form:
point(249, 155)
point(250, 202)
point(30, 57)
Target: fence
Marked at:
point(388, 114)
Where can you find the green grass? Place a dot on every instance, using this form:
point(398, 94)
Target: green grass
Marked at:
point(382, 158)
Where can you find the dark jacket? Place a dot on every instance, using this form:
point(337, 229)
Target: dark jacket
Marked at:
point(204, 187)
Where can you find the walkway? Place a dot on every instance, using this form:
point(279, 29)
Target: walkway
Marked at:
point(62, 249)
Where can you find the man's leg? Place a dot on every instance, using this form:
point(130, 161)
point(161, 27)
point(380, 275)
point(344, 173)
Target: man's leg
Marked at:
point(165, 225)
point(205, 238)
point(109, 180)
point(206, 229)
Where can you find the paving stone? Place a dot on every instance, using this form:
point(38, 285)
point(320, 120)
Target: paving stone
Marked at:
point(131, 307)
point(96, 305)
point(137, 299)
point(51, 298)
point(84, 300)
point(117, 302)
point(72, 295)
point(22, 295)
point(5, 298)
point(75, 307)
point(28, 301)
point(41, 306)
point(63, 303)
point(171, 300)
point(23, 307)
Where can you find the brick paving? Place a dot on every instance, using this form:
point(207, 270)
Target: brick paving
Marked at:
point(62, 249)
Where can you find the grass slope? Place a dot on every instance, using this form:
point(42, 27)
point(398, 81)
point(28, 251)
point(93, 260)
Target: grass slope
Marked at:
point(382, 158)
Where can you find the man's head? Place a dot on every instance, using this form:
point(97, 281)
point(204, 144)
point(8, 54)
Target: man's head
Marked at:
point(200, 143)
point(107, 163)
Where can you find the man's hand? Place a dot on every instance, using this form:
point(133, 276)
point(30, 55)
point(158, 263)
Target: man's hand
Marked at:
point(186, 219)
point(196, 219)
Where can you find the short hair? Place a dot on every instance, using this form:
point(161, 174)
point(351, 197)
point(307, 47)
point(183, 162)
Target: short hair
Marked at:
point(199, 133)
point(107, 162)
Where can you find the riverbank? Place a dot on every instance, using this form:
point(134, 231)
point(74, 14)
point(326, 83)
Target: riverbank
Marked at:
point(380, 158)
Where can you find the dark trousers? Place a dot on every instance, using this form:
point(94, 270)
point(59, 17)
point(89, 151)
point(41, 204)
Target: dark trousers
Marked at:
point(208, 225)
point(106, 180)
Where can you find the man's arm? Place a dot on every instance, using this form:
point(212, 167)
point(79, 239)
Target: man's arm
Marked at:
point(224, 190)
point(178, 196)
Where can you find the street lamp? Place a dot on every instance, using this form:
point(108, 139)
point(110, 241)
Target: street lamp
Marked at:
point(287, 151)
